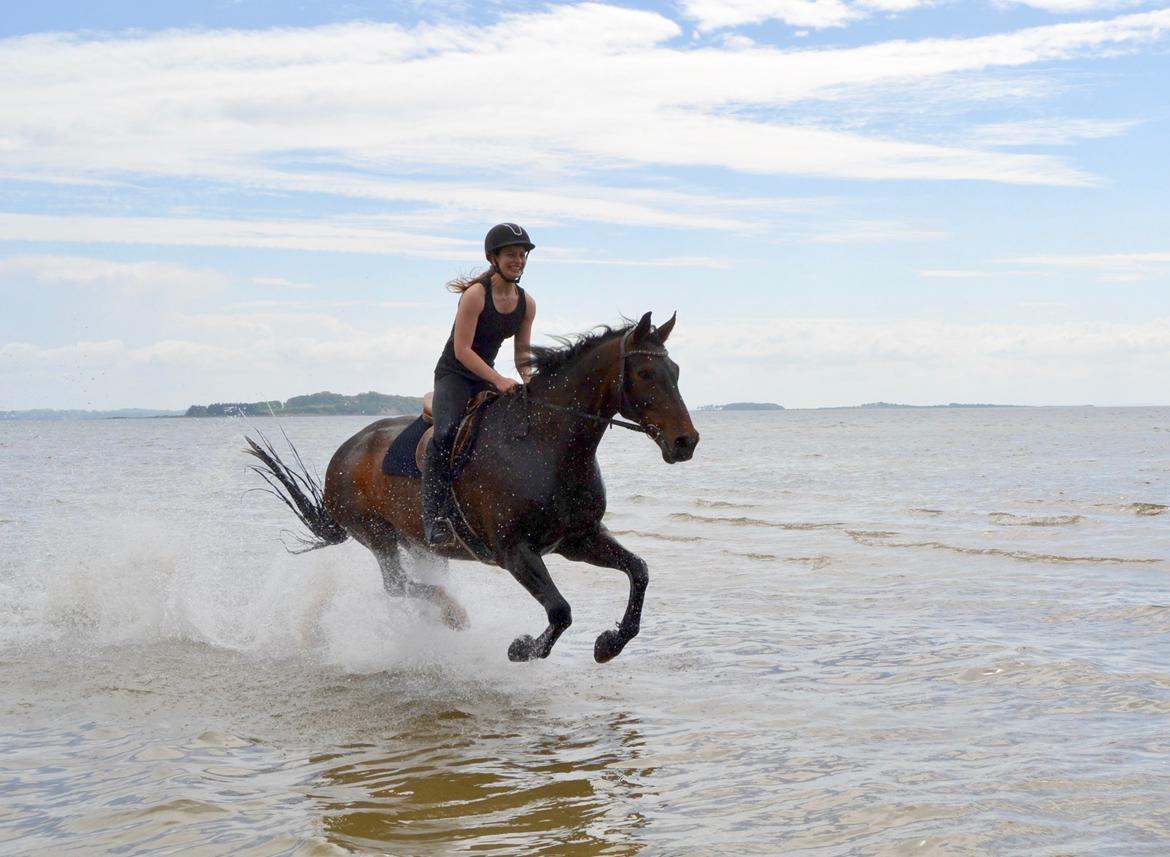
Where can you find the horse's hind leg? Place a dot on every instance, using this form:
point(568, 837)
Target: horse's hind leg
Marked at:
point(600, 548)
point(529, 569)
point(383, 543)
point(424, 558)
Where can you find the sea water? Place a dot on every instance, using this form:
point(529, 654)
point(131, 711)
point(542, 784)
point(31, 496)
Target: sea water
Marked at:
point(870, 632)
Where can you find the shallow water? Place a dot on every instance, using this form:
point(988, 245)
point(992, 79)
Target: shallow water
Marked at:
point(914, 632)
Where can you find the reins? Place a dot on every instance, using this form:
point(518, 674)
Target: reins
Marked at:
point(585, 415)
point(623, 354)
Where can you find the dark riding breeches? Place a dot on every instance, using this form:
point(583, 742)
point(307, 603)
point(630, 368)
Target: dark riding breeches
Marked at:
point(452, 393)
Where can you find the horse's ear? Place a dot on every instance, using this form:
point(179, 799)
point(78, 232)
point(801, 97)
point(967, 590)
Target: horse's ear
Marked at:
point(642, 328)
point(664, 331)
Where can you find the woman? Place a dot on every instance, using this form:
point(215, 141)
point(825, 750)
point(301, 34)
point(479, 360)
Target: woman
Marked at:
point(492, 308)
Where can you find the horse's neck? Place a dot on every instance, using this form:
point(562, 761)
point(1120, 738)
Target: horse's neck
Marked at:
point(587, 387)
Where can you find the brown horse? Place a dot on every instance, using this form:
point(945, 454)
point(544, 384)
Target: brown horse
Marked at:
point(530, 486)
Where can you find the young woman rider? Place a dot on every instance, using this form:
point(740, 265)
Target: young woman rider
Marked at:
point(492, 308)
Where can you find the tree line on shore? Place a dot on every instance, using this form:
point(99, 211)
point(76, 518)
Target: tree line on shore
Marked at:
point(324, 403)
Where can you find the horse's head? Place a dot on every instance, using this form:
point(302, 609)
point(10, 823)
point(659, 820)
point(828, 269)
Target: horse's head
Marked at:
point(649, 390)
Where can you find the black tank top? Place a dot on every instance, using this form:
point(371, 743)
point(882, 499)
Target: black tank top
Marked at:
point(491, 330)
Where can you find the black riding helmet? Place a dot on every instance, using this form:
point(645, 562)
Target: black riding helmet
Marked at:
point(505, 235)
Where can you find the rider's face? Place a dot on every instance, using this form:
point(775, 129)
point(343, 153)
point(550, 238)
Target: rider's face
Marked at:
point(511, 260)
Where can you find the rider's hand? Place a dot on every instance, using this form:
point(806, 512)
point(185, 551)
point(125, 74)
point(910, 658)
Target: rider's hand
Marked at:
point(507, 385)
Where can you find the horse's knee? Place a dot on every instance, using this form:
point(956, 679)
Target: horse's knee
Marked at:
point(560, 615)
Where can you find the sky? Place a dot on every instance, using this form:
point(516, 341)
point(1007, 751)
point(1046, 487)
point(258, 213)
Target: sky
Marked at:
point(845, 201)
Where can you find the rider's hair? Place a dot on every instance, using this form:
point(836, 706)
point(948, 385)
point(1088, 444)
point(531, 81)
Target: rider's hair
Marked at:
point(461, 284)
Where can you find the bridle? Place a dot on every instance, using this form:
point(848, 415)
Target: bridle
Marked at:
point(624, 353)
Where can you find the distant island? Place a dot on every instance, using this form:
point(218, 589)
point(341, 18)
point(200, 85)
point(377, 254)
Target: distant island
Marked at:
point(119, 414)
point(879, 405)
point(772, 406)
point(744, 406)
point(320, 404)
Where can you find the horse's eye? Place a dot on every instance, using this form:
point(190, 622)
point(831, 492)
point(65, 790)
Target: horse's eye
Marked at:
point(645, 374)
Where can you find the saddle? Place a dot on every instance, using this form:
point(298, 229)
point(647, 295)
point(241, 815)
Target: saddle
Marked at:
point(405, 455)
point(464, 438)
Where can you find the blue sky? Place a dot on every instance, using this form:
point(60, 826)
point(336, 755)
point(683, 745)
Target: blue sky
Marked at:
point(845, 201)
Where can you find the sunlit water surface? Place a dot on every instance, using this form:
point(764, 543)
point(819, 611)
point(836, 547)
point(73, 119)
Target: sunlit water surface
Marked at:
point(913, 632)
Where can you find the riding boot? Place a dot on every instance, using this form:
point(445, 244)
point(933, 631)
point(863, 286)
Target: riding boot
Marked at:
point(436, 498)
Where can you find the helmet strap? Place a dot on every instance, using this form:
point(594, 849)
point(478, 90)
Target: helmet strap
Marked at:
point(495, 269)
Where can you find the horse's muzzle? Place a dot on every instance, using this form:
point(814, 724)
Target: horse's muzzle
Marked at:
point(679, 449)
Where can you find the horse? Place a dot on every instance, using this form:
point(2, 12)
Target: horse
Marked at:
point(530, 486)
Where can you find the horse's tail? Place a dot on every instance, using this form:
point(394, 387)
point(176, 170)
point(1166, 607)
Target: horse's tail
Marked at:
point(301, 493)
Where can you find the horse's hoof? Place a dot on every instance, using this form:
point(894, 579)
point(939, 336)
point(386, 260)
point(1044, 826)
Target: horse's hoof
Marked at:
point(455, 617)
point(523, 648)
point(608, 646)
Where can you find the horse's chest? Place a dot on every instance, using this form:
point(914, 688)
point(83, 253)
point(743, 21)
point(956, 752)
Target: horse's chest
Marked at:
point(568, 509)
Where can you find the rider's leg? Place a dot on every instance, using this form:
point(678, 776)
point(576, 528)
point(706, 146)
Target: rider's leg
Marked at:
point(452, 393)
point(436, 489)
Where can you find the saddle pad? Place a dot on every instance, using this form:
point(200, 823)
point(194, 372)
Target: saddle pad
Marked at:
point(399, 460)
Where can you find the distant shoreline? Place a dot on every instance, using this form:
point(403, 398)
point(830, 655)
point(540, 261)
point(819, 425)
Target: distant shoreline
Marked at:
point(78, 415)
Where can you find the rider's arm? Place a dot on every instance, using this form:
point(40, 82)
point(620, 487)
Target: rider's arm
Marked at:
point(524, 338)
point(471, 304)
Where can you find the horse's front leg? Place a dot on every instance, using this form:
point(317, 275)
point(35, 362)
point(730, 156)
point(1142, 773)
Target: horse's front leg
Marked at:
point(600, 548)
point(529, 569)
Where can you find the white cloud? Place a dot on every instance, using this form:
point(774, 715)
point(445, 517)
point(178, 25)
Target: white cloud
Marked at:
point(818, 14)
point(809, 361)
point(1111, 266)
point(1047, 132)
point(950, 274)
point(380, 98)
point(663, 262)
point(1068, 7)
point(251, 360)
point(127, 278)
point(282, 283)
point(343, 236)
point(804, 341)
point(439, 203)
point(717, 14)
point(349, 236)
point(875, 231)
point(814, 362)
point(315, 305)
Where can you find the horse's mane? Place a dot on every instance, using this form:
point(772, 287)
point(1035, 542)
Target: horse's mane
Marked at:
point(548, 360)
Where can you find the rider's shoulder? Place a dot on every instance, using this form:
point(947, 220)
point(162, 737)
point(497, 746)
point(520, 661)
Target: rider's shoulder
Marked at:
point(529, 305)
point(474, 295)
